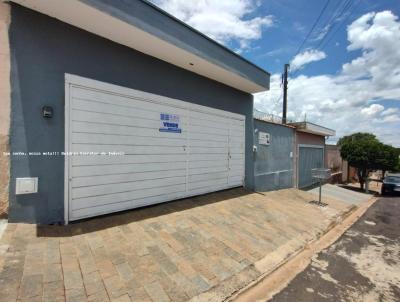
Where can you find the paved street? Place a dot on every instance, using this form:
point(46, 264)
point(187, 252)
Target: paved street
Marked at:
point(363, 265)
point(205, 247)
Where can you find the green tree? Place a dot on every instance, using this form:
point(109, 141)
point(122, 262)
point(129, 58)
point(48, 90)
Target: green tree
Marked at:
point(365, 152)
point(359, 136)
point(387, 159)
point(397, 168)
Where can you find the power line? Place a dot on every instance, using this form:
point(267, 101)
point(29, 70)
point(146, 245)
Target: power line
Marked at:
point(312, 28)
point(336, 10)
point(341, 24)
point(277, 100)
point(338, 13)
point(346, 7)
point(335, 14)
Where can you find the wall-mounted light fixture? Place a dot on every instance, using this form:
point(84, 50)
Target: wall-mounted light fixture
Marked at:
point(47, 111)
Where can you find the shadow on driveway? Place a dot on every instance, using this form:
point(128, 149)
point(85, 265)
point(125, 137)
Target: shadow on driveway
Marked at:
point(98, 223)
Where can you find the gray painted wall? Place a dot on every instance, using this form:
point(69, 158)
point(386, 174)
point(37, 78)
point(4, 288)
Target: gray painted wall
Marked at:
point(273, 166)
point(42, 50)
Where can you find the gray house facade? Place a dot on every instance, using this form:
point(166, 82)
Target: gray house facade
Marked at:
point(285, 154)
point(116, 105)
point(274, 162)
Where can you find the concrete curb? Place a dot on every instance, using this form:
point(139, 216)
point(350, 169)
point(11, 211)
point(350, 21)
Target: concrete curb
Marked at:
point(276, 278)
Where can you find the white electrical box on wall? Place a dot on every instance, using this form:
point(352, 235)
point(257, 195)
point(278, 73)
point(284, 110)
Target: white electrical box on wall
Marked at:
point(26, 185)
point(263, 138)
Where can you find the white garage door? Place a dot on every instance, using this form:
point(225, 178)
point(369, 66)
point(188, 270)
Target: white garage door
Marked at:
point(128, 148)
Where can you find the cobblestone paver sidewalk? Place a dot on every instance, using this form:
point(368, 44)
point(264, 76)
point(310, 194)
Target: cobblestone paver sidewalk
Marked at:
point(202, 248)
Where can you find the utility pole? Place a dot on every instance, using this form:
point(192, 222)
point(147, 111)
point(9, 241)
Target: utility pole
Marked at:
point(285, 84)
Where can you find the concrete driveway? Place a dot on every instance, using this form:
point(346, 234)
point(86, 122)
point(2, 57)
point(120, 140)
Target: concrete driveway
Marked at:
point(339, 193)
point(201, 249)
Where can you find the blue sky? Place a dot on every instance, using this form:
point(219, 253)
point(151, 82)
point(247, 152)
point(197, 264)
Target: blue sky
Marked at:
point(347, 74)
point(293, 20)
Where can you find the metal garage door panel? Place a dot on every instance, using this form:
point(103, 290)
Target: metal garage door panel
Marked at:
point(103, 122)
point(309, 158)
point(152, 166)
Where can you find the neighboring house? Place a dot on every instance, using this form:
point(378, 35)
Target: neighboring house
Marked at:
point(309, 151)
point(273, 155)
point(341, 171)
point(173, 108)
point(285, 154)
point(334, 162)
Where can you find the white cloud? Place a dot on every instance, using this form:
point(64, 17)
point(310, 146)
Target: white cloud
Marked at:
point(390, 111)
point(372, 110)
point(392, 119)
point(307, 57)
point(222, 20)
point(299, 27)
point(350, 101)
point(377, 35)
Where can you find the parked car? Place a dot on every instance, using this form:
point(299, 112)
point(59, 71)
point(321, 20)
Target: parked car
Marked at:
point(391, 184)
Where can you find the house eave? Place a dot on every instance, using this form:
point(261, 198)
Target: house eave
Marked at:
point(312, 128)
point(131, 24)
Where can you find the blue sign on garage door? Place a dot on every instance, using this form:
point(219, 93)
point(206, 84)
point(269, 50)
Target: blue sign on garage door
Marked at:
point(310, 157)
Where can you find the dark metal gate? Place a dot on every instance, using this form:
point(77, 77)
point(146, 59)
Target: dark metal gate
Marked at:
point(310, 157)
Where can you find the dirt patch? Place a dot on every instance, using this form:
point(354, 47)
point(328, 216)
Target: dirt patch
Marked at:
point(384, 271)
